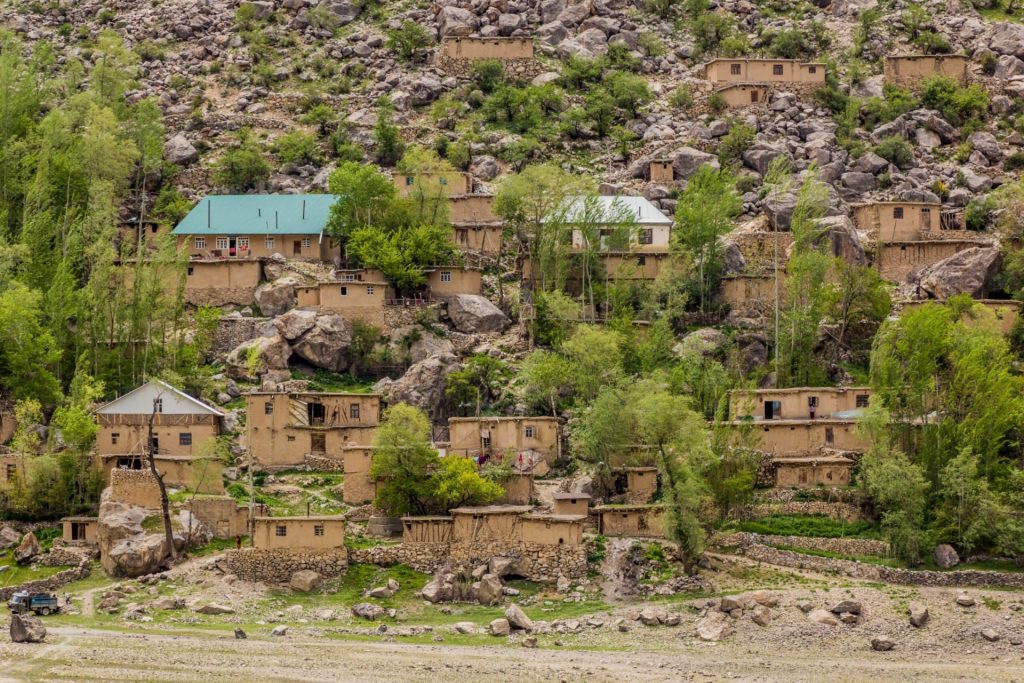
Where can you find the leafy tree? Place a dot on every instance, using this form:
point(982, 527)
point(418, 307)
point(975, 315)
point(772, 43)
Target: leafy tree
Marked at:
point(957, 104)
point(408, 41)
point(546, 379)
point(365, 196)
point(28, 351)
point(896, 151)
point(710, 29)
point(600, 110)
point(297, 147)
point(387, 138)
point(596, 356)
point(488, 74)
point(242, 167)
point(74, 419)
point(401, 254)
point(480, 382)
point(456, 482)
point(791, 44)
point(629, 91)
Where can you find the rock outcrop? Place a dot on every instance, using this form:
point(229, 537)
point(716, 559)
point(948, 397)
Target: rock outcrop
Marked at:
point(966, 272)
point(473, 314)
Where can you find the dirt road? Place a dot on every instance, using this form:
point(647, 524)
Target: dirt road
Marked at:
point(92, 655)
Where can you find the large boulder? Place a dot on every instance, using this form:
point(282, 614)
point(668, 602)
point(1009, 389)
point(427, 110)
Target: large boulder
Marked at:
point(473, 314)
point(178, 150)
point(9, 537)
point(345, 12)
point(325, 344)
point(945, 556)
point(367, 610)
point(305, 580)
point(422, 385)
point(455, 21)
point(517, 618)
point(715, 626)
point(277, 297)
point(966, 272)
point(257, 356)
point(844, 239)
point(27, 549)
point(1007, 38)
point(488, 589)
point(761, 154)
point(26, 629)
point(295, 323)
point(688, 161)
point(139, 555)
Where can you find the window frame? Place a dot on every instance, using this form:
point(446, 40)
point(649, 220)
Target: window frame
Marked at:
point(735, 70)
point(354, 411)
point(199, 242)
point(280, 530)
point(778, 70)
point(184, 438)
point(222, 243)
point(897, 213)
point(306, 243)
point(268, 407)
point(446, 276)
point(268, 242)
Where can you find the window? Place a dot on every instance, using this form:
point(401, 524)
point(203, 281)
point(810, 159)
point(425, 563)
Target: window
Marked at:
point(862, 400)
point(185, 439)
point(830, 437)
point(734, 69)
point(812, 69)
point(243, 243)
point(318, 529)
point(409, 180)
point(647, 236)
point(353, 411)
point(306, 242)
point(442, 181)
point(529, 432)
point(641, 260)
point(753, 96)
point(776, 69)
point(268, 408)
point(291, 437)
point(344, 291)
point(199, 242)
point(222, 243)
point(12, 469)
point(897, 213)
point(280, 530)
point(158, 405)
point(446, 276)
point(190, 271)
point(268, 242)
point(812, 401)
point(348, 277)
point(369, 289)
point(114, 437)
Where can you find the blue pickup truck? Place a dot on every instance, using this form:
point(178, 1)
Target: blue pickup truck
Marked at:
point(40, 603)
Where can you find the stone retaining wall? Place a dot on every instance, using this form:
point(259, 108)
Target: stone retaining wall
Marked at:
point(514, 69)
point(845, 512)
point(231, 332)
point(217, 296)
point(843, 546)
point(48, 584)
point(873, 572)
point(276, 565)
point(534, 561)
point(134, 487)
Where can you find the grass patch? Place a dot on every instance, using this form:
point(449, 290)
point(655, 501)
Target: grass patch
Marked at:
point(806, 526)
point(322, 380)
point(218, 545)
point(17, 574)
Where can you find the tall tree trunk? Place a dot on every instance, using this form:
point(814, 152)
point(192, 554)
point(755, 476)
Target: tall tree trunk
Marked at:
point(165, 506)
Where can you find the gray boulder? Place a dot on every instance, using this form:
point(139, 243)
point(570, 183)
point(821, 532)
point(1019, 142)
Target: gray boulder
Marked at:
point(1007, 39)
point(858, 181)
point(345, 12)
point(422, 385)
point(499, 627)
point(178, 150)
point(847, 607)
point(325, 344)
point(945, 556)
point(966, 272)
point(882, 644)
point(472, 314)
point(26, 629)
point(517, 618)
point(9, 537)
point(760, 156)
point(368, 610)
point(269, 354)
point(823, 617)
point(485, 167)
point(295, 323)
point(1007, 67)
point(986, 143)
point(425, 89)
point(845, 241)
point(715, 626)
point(688, 161)
point(214, 608)
point(27, 549)
point(305, 580)
point(508, 23)
point(455, 21)
point(488, 589)
point(277, 297)
point(918, 614)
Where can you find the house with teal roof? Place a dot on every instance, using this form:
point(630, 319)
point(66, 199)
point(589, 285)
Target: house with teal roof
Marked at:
point(252, 226)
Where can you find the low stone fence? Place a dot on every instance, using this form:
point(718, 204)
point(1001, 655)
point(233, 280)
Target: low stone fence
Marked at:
point(845, 512)
point(48, 584)
point(873, 572)
point(842, 546)
point(513, 69)
point(534, 561)
point(218, 296)
point(276, 565)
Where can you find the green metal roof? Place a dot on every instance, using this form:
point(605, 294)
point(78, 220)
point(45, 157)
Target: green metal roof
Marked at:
point(257, 214)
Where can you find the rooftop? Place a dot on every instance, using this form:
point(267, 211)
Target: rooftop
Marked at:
point(312, 393)
point(314, 518)
point(248, 214)
point(556, 518)
point(493, 510)
point(614, 210)
point(565, 495)
point(797, 390)
point(500, 418)
point(140, 400)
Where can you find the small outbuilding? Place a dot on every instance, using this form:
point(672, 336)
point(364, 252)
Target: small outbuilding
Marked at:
point(80, 530)
point(568, 503)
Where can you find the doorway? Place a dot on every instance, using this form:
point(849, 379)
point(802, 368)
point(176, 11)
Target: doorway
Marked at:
point(296, 247)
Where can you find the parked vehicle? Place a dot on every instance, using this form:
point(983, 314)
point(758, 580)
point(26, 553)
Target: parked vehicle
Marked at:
point(42, 604)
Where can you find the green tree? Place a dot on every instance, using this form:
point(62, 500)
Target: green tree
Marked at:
point(365, 196)
point(408, 41)
point(596, 357)
point(478, 383)
point(28, 352)
point(402, 254)
point(242, 167)
point(387, 138)
point(546, 379)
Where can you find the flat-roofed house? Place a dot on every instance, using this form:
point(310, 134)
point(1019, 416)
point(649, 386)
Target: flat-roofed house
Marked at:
point(754, 70)
point(911, 70)
point(257, 225)
point(80, 530)
point(317, 533)
point(504, 436)
point(799, 403)
point(182, 426)
point(491, 47)
point(285, 429)
point(899, 221)
point(638, 521)
point(475, 226)
point(443, 183)
point(568, 503)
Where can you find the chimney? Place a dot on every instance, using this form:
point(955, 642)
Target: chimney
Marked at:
point(275, 221)
point(303, 209)
point(209, 212)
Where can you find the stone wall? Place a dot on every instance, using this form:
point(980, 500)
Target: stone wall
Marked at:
point(231, 332)
point(875, 572)
point(276, 565)
point(48, 584)
point(217, 296)
point(534, 561)
point(843, 546)
point(515, 69)
point(841, 511)
point(134, 487)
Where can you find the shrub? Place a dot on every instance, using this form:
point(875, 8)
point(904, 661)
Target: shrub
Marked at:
point(388, 145)
point(150, 51)
point(650, 44)
point(488, 74)
point(988, 63)
point(681, 98)
point(628, 91)
point(619, 56)
point(242, 167)
point(1014, 162)
point(734, 46)
point(958, 105)
point(297, 147)
point(933, 43)
point(978, 213)
point(735, 142)
point(717, 103)
point(710, 29)
point(459, 155)
point(791, 44)
point(896, 151)
point(408, 41)
point(322, 18)
point(580, 72)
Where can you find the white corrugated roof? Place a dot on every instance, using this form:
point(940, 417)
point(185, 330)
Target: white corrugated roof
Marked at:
point(175, 401)
point(640, 208)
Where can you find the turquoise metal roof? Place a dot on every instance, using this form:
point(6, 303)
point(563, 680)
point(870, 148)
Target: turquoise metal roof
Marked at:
point(257, 214)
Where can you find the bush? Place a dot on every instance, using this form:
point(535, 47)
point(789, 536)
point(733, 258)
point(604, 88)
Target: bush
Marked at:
point(895, 102)
point(735, 142)
point(988, 63)
point(978, 213)
point(459, 155)
point(896, 151)
point(710, 29)
point(242, 167)
point(488, 74)
point(580, 72)
point(717, 103)
point(958, 105)
point(297, 147)
point(1014, 162)
point(791, 44)
point(933, 43)
point(619, 56)
point(650, 44)
point(629, 91)
point(388, 145)
point(681, 98)
point(408, 41)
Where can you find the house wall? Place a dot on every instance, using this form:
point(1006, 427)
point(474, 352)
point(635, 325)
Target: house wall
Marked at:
point(134, 487)
point(355, 301)
point(476, 528)
point(518, 489)
point(641, 485)
point(487, 48)
point(91, 529)
point(462, 281)
point(225, 517)
point(880, 219)
point(449, 184)
point(753, 294)
point(571, 506)
point(811, 474)
point(661, 172)
point(472, 208)
point(508, 434)
point(128, 433)
point(201, 474)
point(795, 402)
point(642, 523)
point(743, 95)
point(761, 249)
point(426, 530)
point(895, 261)
point(220, 283)
point(546, 530)
point(810, 436)
point(10, 466)
point(762, 70)
point(359, 487)
point(911, 70)
point(300, 532)
point(482, 238)
point(660, 237)
point(260, 245)
point(284, 436)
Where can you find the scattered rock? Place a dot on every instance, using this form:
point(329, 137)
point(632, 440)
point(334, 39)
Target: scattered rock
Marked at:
point(178, 150)
point(882, 644)
point(517, 618)
point(991, 635)
point(945, 556)
point(27, 549)
point(965, 600)
point(851, 606)
point(305, 580)
point(279, 630)
point(761, 615)
point(27, 629)
point(918, 614)
point(368, 610)
point(824, 617)
point(499, 627)
point(214, 608)
point(240, 634)
point(714, 627)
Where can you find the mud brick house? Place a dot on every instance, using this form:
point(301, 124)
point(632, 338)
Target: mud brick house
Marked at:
point(810, 472)
point(752, 70)
point(800, 403)
point(288, 429)
point(80, 530)
point(750, 295)
point(231, 227)
point(737, 95)
point(899, 221)
point(475, 226)
point(443, 184)
point(912, 70)
point(294, 533)
point(182, 426)
point(447, 281)
point(360, 487)
point(476, 48)
point(501, 437)
point(567, 503)
point(225, 517)
point(218, 282)
point(661, 171)
point(639, 521)
point(361, 299)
